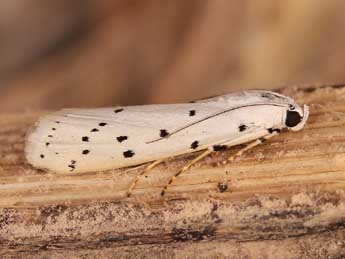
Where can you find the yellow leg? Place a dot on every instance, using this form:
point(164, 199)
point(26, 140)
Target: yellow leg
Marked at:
point(134, 168)
point(251, 145)
point(145, 171)
point(209, 151)
point(185, 168)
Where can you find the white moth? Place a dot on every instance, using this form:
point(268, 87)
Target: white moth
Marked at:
point(85, 140)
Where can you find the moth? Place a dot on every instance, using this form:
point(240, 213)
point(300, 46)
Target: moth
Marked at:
point(86, 140)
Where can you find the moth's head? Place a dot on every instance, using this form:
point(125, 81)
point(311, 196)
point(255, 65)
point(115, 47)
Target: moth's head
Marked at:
point(295, 117)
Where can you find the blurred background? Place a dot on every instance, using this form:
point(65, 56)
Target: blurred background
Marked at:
point(86, 53)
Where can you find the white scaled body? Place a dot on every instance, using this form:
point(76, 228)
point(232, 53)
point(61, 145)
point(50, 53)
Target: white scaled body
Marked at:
point(84, 140)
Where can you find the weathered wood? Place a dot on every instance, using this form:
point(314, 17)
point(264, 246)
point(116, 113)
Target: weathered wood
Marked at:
point(287, 194)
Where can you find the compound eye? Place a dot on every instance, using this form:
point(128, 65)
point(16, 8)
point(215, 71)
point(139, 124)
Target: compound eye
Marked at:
point(292, 119)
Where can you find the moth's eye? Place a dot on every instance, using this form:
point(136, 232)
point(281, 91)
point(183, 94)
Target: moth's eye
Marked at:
point(292, 107)
point(292, 119)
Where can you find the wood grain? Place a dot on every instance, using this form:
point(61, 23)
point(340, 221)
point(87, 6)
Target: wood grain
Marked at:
point(283, 196)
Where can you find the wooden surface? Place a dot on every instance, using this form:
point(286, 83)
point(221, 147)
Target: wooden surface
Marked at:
point(285, 199)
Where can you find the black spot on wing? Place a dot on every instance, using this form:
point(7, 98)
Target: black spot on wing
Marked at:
point(53, 128)
point(163, 133)
point(57, 122)
point(41, 156)
point(262, 140)
point(72, 167)
point(118, 110)
point(271, 130)
point(128, 153)
point(94, 130)
point(219, 147)
point(85, 151)
point(47, 144)
point(121, 138)
point(85, 139)
point(292, 107)
point(191, 112)
point(242, 127)
point(102, 124)
point(50, 136)
point(267, 95)
point(194, 145)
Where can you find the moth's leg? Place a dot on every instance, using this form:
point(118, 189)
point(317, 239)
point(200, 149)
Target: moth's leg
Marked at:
point(145, 171)
point(186, 167)
point(134, 168)
point(251, 145)
point(214, 148)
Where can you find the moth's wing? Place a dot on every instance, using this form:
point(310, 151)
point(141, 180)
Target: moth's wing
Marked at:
point(105, 138)
point(62, 141)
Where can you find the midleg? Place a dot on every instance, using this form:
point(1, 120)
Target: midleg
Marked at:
point(251, 145)
point(218, 147)
point(186, 167)
point(145, 171)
